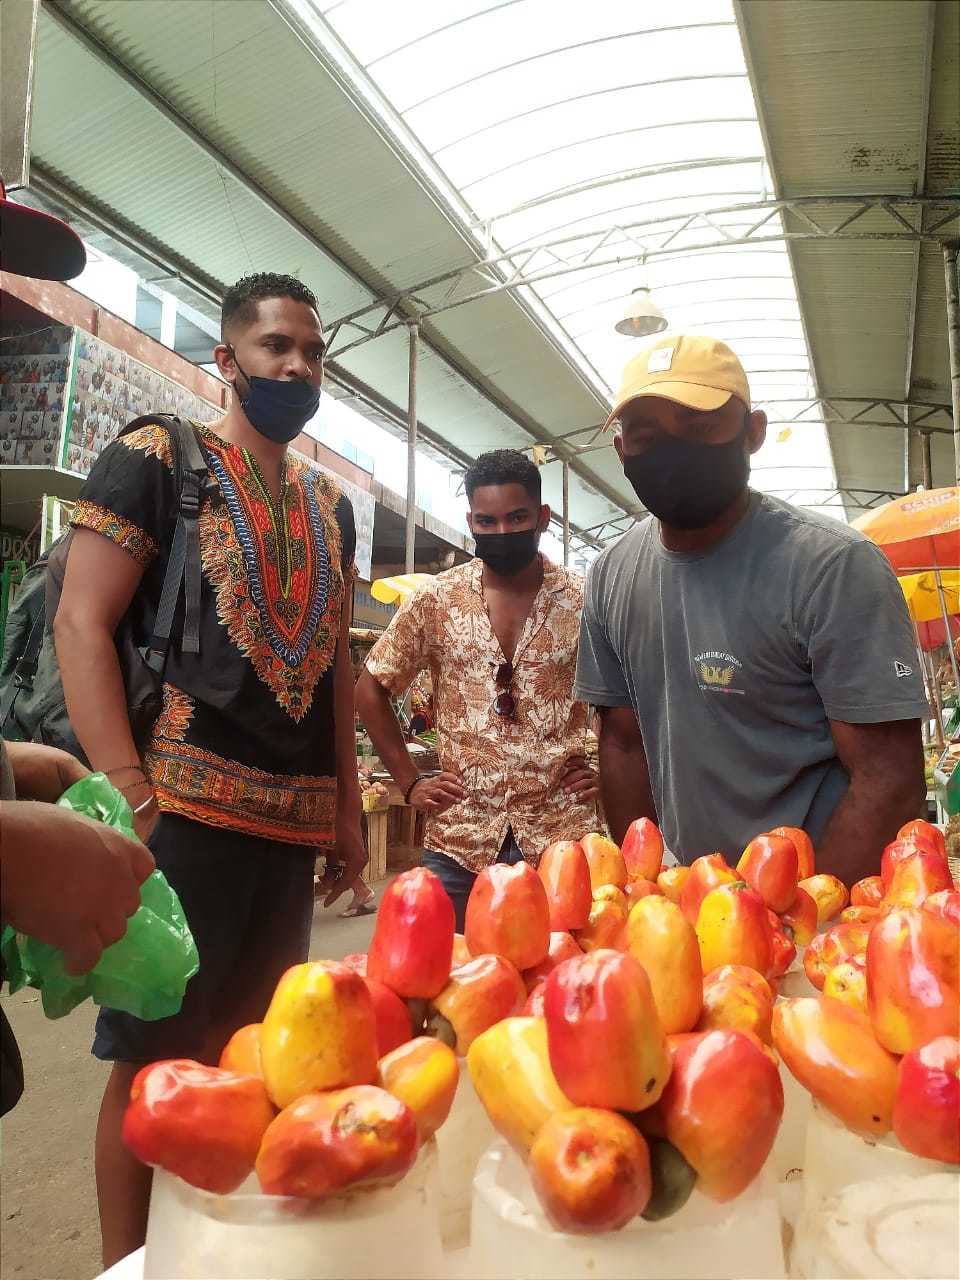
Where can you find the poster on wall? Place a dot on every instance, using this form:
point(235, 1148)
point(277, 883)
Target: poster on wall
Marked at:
point(65, 395)
point(54, 520)
point(364, 507)
point(34, 379)
point(110, 389)
point(15, 544)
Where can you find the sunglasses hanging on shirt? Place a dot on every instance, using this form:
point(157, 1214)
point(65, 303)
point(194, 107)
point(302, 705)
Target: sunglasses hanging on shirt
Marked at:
point(504, 705)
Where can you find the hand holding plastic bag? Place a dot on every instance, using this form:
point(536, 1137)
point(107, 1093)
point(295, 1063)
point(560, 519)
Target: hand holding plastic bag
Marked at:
point(147, 971)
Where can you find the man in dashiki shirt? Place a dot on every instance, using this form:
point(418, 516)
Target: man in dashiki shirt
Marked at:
point(251, 766)
point(499, 639)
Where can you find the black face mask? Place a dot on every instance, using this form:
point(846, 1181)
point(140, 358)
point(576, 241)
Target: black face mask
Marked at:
point(507, 553)
point(688, 485)
point(278, 409)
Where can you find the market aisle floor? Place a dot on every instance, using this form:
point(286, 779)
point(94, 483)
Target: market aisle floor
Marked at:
point(48, 1207)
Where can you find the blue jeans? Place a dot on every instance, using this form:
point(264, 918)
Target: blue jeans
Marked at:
point(458, 881)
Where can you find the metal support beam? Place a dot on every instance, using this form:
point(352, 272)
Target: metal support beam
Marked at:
point(18, 42)
point(662, 237)
point(926, 459)
point(413, 330)
point(772, 169)
point(920, 187)
point(402, 308)
point(566, 513)
point(953, 334)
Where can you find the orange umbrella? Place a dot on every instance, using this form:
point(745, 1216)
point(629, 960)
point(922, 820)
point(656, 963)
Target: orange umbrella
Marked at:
point(918, 531)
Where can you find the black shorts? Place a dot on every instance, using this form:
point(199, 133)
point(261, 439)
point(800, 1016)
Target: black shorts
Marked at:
point(249, 904)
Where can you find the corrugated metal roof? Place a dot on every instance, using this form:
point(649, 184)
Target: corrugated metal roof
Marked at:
point(849, 100)
point(842, 87)
point(328, 169)
point(522, 100)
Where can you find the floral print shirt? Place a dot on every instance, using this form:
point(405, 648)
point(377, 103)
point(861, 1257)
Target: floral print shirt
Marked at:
point(510, 767)
point(246, 736)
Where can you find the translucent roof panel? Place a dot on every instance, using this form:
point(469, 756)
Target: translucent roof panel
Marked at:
point(593, 131)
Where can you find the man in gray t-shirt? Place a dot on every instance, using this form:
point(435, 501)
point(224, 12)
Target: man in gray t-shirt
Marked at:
point(753, 664)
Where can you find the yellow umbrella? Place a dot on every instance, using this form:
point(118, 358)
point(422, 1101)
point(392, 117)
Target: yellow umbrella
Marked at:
point(398, 588)
point(923, 599)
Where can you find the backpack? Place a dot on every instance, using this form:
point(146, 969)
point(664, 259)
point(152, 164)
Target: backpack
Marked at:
point(32, 707)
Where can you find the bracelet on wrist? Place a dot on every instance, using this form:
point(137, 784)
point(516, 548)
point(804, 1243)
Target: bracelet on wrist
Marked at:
point(124, 768)
point(409, 790)
point(133, 786)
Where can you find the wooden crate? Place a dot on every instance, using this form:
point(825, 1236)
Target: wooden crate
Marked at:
point(377, 825)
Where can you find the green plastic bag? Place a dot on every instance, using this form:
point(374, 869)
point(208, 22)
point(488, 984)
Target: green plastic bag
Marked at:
point(147, 971)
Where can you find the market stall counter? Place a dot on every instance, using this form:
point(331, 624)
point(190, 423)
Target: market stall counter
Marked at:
point(618, 1070)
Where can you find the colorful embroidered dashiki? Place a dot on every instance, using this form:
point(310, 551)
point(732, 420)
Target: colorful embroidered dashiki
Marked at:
point(510, 767)
point(246, 736)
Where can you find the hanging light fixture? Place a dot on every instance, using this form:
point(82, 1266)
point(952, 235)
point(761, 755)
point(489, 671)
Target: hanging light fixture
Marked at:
point(642, 317)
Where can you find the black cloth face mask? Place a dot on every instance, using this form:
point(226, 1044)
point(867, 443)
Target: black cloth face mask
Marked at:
point(276, 408)
point(688, 485)
point(507, 553)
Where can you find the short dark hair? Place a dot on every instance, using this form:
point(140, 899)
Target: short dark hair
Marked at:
point(503, 466)
point(241, 299)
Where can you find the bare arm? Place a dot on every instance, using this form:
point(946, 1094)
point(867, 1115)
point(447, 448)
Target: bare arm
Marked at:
point(887, 789)
point(349, 856)
point(624, 775)
point(376, 713)
point(433, 795)
point(344, 710)
point(100, 582)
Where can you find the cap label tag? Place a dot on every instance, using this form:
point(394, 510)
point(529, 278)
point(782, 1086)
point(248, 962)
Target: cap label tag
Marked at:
point(660, 359)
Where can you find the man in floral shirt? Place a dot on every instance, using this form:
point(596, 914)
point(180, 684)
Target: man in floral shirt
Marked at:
point(499, 639)
point(251, 766)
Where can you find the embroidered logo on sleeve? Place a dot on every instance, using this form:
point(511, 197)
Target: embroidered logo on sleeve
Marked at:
point(902, 670)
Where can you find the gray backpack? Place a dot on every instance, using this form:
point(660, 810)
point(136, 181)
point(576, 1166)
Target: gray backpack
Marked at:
point(32, 707)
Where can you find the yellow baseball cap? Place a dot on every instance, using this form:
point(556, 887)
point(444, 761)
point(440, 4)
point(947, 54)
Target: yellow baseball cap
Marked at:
point(701, 373)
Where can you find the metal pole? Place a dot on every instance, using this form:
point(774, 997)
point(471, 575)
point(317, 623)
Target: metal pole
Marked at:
point(413, 329)
point(931, 705)
point(926, 459)
point(938, 722)
point(566, 513)
point(953, 335)
point(946, 626)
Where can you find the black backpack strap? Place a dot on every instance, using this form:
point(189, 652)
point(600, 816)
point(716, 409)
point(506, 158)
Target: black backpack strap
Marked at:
point(25, 669)
point(193, 474)
point(183, 564)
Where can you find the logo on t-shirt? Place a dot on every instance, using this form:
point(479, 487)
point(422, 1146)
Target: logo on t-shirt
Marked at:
point(718, 672)
point(902, 670)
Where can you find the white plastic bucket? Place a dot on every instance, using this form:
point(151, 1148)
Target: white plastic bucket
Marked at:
point(789, 1148)
point(387, 1233)
point(901, 1228)
point(835, 1159)
point(461, 1141)
point(512, 1240)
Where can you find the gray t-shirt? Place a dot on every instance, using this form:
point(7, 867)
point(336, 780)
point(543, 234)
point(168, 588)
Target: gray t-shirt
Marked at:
point(736, 659)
